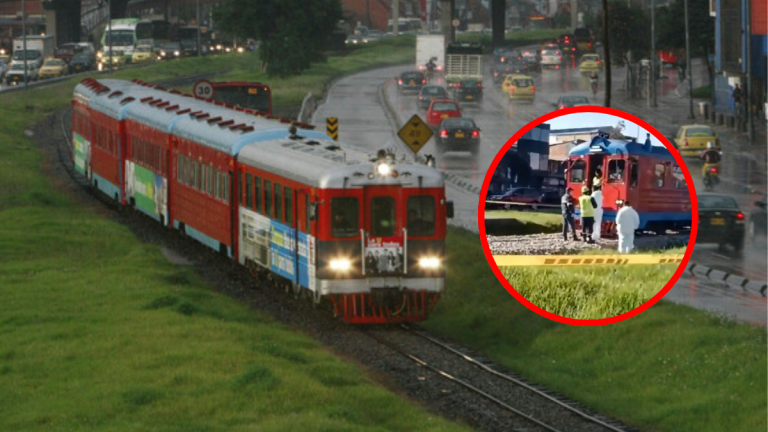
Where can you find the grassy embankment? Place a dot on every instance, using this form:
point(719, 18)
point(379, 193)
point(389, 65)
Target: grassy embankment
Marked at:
point(672, 368)
point(101, 333)
point(516, 38)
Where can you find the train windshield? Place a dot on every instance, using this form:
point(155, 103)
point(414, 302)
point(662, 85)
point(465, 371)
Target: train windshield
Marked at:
point(382, 216)
point(344, 217)
point(421, 216)
point(245, 96)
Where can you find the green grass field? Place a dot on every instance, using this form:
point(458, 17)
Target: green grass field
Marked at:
point(671, 368)
point(516, 38)
point(101, 333)
point(510, 222)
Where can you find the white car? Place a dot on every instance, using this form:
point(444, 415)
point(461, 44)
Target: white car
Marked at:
point(551, 58)
point(16, 74)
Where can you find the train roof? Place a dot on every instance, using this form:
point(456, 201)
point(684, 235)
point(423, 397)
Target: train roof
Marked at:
point(602, 145)
point(311, 162)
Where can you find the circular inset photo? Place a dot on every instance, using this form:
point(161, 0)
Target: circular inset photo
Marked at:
point(588, 215)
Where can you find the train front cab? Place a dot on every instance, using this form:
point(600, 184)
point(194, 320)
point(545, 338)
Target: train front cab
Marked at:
point(646, 177)
point(381, 252)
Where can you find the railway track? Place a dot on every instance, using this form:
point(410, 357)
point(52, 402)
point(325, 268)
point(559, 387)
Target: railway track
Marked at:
point(529, 406)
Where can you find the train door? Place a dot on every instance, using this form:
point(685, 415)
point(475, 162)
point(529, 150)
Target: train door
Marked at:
point(384, 240)
point(596, 162)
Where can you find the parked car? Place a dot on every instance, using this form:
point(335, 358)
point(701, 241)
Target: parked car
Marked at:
point(411, 80)
point(441, 109)
point(468, 91)
point(758, 221)
point(430, 93)
point(721, 222)
point(458, 134)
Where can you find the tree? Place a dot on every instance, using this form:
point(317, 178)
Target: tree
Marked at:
point(293, 33)
point(629, 29)
point(671, 29)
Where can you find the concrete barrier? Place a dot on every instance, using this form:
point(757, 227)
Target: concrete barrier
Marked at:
point(731, 280)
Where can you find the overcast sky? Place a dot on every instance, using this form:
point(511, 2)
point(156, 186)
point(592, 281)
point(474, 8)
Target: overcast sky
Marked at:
point(579, 120)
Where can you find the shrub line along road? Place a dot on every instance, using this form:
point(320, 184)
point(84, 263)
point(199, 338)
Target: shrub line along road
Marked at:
point(363, 118)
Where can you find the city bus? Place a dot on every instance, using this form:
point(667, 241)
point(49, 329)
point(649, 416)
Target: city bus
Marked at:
point(121, 36)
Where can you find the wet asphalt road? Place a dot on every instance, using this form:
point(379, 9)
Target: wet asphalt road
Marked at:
point(357, 102)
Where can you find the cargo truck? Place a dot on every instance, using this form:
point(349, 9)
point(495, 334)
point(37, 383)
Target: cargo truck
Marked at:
point(430, 47)
point(464, 67)
point(38, 49)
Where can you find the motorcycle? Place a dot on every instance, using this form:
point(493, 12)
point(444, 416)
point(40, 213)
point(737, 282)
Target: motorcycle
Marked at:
point(711, 178)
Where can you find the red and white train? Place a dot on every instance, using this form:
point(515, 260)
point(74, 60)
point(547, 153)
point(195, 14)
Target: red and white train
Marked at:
point(366, 233)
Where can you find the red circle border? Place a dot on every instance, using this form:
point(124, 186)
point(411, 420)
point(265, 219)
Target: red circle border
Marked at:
point(691, 191)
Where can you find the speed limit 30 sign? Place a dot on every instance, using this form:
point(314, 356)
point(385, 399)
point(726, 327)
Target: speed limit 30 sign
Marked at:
point(203, 89)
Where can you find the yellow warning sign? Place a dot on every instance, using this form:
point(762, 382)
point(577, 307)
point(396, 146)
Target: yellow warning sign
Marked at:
point(583, 260)
point(332, 126)
point(415, 133)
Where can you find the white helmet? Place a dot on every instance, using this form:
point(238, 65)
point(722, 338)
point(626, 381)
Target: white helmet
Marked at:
point(710, 145)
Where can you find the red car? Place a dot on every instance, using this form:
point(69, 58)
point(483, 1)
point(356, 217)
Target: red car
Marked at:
point(442, 109)
point(667, 57)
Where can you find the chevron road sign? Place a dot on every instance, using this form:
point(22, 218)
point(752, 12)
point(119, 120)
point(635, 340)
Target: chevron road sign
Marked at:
point(332, 126)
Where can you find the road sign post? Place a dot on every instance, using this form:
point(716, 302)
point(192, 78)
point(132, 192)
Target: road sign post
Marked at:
point(203, 89)
point(415, 134)
point(332, 127)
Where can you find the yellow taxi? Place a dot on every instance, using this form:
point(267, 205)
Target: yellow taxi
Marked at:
point(691, 140)
point(519, 87)
point(118, 60)
point(143, 54)
point(53, 68)
point(590, 63)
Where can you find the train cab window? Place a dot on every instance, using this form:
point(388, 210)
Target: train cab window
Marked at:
point(577, 171)
point(278, 202)
point(633, 175)
point(659, 173)
point(344, 217)
point(616, 171)
point(421, 216)
point(288, 206)
point(268, 198)
point(382, 216)
point(257, 192)
point(677, 173)
point(248, 194)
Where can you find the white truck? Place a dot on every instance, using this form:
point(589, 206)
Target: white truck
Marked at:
point(38, 49)
point(430, 47)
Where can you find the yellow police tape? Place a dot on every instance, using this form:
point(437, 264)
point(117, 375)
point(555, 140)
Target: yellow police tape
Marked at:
point(583, 260)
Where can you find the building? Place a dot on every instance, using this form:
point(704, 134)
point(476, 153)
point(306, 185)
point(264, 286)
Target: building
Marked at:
point(525, 164)
point(731, 50)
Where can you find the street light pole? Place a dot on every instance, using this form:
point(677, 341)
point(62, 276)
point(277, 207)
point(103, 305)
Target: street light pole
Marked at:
point(24, 40)
point(688, 63)
point(748, 93)
point(109, 34)
point(652, 74)
point(199, 41)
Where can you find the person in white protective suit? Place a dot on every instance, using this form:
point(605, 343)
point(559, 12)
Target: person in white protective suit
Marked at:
point(627, 221)
point(597, 195)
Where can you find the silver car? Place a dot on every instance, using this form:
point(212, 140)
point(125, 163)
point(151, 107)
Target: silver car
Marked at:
point(551, 58)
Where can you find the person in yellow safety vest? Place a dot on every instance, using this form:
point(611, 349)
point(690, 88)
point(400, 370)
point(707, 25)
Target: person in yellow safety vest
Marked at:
point(587, 207)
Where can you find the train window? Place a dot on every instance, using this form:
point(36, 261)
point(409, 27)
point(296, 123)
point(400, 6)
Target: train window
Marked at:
point(268, 198)
point(344, 217)
point(211, 173)
point(257, 192)
point(278, 202)
point(577, 171)
point(616, 171)
point(248, 194)
point(677, 173)
point(180, 168)
point(187, 171)
point(240, 186)
point(421, 216)
point(382, 216)
point(205, 178)
point(659, 173)
point(217, 186)
point(226, 187)
point(288, 206)
point(633, 175)
point(199, 177)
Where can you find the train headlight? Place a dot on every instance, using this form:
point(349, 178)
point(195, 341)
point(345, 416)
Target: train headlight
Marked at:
point(429, 262)
point(383, 169)
point(340, 264)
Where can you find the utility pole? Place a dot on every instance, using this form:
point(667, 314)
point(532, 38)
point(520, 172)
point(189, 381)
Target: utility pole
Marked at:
point(24, 41)
point(395, 16)
point(199, 38)
point(689, 75)
point(607, 53)
point(368, 13)
point(574, 15)
point(652, 74)
point(748, 93)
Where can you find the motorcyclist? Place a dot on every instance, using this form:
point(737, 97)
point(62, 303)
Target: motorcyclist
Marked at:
point(711, 157)
point(431, 66)
point(593, 81)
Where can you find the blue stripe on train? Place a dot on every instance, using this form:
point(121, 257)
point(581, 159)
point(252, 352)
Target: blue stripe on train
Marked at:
point(203, 238)
point(106, 187)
